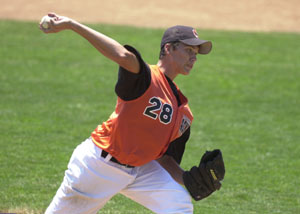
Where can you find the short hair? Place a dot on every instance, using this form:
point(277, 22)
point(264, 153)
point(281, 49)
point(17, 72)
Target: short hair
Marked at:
point(162, 52)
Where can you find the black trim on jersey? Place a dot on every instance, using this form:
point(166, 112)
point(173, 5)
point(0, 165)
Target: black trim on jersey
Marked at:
point(130, 85)
point(174, 89)
point(177, 146)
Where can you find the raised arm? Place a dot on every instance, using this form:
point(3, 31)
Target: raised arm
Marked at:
point(104, 44)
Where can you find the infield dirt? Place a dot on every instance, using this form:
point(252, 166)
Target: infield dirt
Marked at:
point(244, 15)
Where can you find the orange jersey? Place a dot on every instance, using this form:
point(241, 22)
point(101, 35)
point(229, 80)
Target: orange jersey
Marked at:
point(141, 130)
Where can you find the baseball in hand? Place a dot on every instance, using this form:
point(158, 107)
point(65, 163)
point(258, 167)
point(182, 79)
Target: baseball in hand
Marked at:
point(45, 22)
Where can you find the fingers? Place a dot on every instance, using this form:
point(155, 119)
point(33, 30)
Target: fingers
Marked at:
point(55, 17)
point(51, 14)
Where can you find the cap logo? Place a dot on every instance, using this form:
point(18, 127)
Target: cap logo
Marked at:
point(195, 33)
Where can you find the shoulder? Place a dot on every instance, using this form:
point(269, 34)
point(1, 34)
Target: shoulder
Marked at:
point(132, 85)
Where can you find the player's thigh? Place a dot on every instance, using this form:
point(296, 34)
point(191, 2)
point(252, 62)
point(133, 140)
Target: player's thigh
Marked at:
point(89, 182)
point(155, 189)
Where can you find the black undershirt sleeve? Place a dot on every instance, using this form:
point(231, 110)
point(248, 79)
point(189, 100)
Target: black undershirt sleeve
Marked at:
point(130, 85)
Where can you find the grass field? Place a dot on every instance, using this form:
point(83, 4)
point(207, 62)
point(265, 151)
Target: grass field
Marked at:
point(245, 96)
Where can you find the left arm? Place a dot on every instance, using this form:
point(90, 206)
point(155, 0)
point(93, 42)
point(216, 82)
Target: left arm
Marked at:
point(173, 168)
point(171, 159)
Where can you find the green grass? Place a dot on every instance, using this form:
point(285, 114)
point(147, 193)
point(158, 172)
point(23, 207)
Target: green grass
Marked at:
point(245, 96)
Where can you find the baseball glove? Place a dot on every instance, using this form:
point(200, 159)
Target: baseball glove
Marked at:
point(203, 180)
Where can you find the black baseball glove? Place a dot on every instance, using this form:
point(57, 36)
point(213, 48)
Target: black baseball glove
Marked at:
point(203, 180)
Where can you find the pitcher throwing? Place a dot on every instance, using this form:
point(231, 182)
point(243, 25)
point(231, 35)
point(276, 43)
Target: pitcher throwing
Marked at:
point(137, 151)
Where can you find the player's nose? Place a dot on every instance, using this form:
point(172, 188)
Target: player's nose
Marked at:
point(193, 59)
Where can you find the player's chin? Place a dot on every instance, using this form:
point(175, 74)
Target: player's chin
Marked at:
point(185, 73)
point(187, 70)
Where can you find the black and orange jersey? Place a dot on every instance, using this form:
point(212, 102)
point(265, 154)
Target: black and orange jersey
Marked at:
point(141, 130)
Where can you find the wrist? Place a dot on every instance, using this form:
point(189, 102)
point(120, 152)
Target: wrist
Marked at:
point(72, 24)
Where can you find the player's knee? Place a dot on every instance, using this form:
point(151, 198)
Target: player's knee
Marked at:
point(181, 204)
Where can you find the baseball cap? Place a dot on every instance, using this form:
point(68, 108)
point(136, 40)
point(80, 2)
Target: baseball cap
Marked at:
point(186, 35)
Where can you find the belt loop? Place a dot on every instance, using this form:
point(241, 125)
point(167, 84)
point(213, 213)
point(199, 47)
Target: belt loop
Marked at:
point(107, 158)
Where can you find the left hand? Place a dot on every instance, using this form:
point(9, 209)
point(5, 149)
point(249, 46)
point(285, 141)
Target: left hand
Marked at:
point(203, 180)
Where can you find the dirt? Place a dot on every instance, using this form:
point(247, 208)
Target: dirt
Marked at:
point(244, 15)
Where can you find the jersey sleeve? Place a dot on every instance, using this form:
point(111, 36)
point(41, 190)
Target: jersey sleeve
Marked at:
point(130, 85)
point(177, 147)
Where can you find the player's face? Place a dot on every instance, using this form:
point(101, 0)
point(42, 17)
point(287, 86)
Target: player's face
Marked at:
point(185, 57)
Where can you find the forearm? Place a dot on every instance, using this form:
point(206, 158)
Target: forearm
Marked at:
point(169, 164)
point(104, 44)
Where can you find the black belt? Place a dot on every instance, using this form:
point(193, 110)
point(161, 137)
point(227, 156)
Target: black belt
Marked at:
point(105, 153)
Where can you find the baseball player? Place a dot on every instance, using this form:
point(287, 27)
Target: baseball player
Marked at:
point(137, 151)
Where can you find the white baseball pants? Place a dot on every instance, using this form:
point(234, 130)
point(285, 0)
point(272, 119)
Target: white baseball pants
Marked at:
point(90, 181)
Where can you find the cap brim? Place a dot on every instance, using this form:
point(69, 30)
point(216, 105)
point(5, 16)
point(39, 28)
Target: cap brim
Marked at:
point(204, 46)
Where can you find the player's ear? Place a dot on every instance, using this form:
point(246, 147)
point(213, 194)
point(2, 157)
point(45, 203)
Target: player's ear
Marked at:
point(168, 48)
